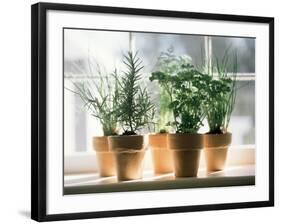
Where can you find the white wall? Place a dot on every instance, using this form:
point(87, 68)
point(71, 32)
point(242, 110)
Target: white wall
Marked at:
point(15, 110)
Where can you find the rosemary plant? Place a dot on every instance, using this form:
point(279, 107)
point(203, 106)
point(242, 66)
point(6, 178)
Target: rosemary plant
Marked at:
point(100, 95)
point(134, 110)
point(221, 93)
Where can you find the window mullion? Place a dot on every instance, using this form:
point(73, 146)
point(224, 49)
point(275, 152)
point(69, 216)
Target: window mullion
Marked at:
point(208, 53)
point(132, 43)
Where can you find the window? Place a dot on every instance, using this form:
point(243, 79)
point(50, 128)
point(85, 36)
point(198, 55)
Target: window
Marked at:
point(83, 48)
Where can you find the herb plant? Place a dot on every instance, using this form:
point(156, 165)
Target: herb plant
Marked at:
point(100, 95)
point(189, 98)
point(221, 93)
point(168, 65)
point(134, 110)
point(185, 86)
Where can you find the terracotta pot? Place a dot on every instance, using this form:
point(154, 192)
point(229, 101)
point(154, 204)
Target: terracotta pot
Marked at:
point(105, 158)
point(215, 149)
point(186, 153)
point(161, 155)
point(128, 153)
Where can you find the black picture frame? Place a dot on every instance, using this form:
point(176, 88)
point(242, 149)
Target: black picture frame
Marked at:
point(39, 107)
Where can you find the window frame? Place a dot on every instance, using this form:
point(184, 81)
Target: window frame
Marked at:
point(85, 155)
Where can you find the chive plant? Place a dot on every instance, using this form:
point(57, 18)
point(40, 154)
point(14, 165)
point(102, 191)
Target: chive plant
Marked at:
point(221, 92)
point(100, 95)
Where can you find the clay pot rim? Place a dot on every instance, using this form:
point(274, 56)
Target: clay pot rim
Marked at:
point(104, 136)
point(227, 133)
point(186, 141)
point(121, 150)
point(154, 134)
point(103, 152)
point(186, 149)
point(217, 141)
point(100, 140)
point(185, 134)
point(158, 141)
point(100, 136)
point(126, 136)
point(128, 143)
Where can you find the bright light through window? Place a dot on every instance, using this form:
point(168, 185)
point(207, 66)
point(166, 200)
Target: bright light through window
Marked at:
point(84, 50)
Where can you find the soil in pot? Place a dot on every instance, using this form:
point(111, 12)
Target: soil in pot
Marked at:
point(161, 156)
point(128, 153)
point(105, 158)
point(186, 150)
point(215, 150)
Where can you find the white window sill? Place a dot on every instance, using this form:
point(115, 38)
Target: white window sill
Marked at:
point(85, 162)
point(92, 183)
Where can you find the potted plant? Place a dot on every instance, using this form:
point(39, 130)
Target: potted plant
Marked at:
point(168, 64)
point(100, 96)
point(221, 94)
point(161, 155)
point(135, 112)
point(187, 85)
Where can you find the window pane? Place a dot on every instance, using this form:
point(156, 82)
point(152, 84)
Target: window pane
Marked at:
point(84, 48)
point(84, 51)
point(150, 45)
point(242, 122)
point(245, 50)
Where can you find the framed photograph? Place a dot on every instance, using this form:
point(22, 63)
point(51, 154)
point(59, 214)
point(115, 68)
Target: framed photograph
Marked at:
point(140, 111)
